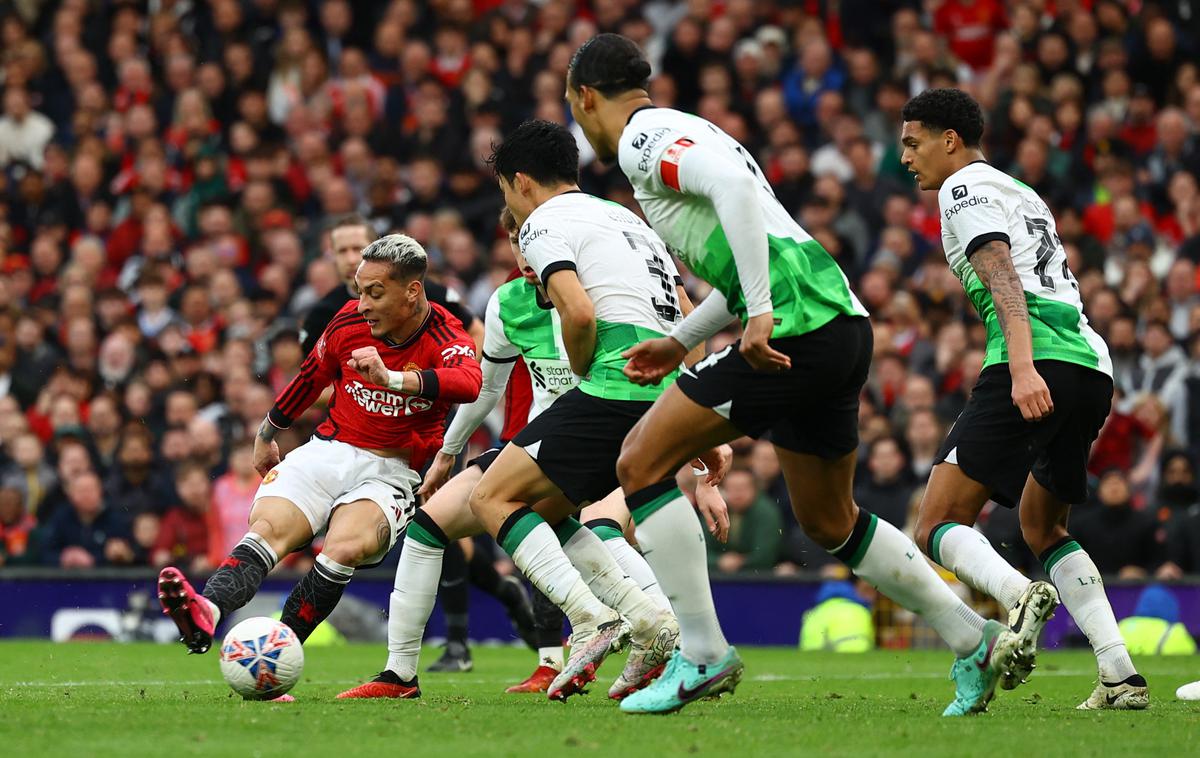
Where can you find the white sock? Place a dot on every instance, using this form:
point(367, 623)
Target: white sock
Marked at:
point(551, 656)
point(534, 547)
point(411, 602)
point(1080, 588)
point(881, 554)
point(633, 564)
point(969, 555)
point(672, 543)
point(606, 580)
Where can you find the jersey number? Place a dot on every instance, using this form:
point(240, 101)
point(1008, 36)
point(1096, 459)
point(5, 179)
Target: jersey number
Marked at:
point(656, 265)
point(750, 165)
point(1047, 245)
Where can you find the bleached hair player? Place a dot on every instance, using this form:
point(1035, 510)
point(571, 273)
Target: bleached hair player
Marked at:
point(409, 361)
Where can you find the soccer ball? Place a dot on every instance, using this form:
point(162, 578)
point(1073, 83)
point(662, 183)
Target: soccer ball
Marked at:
point(261, 658)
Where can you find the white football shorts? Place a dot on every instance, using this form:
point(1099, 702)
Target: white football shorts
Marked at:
point(321, 475)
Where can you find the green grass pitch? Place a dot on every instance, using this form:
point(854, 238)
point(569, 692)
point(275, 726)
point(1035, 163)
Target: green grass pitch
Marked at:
point(101, 699)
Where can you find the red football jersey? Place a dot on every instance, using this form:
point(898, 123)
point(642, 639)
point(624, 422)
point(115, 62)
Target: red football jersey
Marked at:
point(369, 416)
point(518, 397)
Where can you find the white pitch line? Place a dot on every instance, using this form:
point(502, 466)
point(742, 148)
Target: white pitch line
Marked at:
point(894, 675)
point(765, 678)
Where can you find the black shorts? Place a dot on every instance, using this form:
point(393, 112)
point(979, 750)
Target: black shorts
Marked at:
point(484, 459)
point(811, 408)
point(576, 442)
point(998, 448)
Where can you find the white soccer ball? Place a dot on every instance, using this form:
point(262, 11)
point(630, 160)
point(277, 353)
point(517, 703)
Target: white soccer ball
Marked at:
point(1190, 691)
point(261, 658)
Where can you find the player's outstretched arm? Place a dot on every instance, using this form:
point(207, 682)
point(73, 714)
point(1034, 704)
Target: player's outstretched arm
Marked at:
point(993, 265)
point(652, 360)
point(466, 421)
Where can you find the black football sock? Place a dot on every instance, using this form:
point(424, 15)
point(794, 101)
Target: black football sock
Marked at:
point(484, 575)
point(452, 591)
point(240, 575)
point(549, 621)
point(316, 595)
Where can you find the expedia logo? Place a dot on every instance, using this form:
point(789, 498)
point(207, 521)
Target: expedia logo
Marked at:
point(529, 234)
point(385, 402)
point(959, 192)
point(965, 204)
point(647, 146)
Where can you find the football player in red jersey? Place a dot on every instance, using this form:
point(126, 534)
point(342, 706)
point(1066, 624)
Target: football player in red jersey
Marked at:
point(397, 362)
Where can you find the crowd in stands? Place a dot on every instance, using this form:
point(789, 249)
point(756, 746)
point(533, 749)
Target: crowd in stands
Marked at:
point(169, 171)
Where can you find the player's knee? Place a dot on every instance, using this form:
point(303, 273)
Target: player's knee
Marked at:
point(276, 535)
point(478, 499)
point(349, 551)
point(829, 529)
point(632, 472)
point(1041, 536)
point(921, 535)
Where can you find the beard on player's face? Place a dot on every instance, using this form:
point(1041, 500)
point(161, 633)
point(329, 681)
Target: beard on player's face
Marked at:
point(388, 305)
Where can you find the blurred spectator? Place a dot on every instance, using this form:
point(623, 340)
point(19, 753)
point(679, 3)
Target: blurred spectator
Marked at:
point(924, 436)
point(88, 533)
point(232, 498)
point(24, 132)
point(16, 528)
point(168, 180)
point(754, 527)
point(28, 472)
point(183, 531)
point(136, 485)
point(1122, 540)
point(888, 486)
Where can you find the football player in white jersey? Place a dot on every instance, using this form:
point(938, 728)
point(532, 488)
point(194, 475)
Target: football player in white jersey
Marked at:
point(520, 321)
point(1044, 392)
point(613, 284)
point(797, 373)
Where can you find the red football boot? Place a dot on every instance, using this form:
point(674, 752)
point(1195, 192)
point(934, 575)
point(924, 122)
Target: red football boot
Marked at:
point(538, 681)
point(191, 612)
point(387, 684)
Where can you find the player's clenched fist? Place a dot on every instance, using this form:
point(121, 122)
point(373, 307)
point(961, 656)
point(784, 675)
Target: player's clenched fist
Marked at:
point(366, 361)
point(1031, 395)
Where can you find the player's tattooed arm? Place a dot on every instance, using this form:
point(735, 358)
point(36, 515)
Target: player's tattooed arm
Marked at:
point(994, 267)
point(267, 430)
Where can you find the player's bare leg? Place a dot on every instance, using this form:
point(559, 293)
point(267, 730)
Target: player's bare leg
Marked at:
point(950, 507)
point(1043, 525)
point(674, 431)
point(820, 491)
point(357, 531)
point(277, 527)
point(444, 517)
point(500, 500)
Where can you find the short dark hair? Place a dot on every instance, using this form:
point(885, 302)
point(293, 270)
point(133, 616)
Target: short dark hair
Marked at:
point(354, 219)
point(947, 108)
point(542, 150)
point(610, 64)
